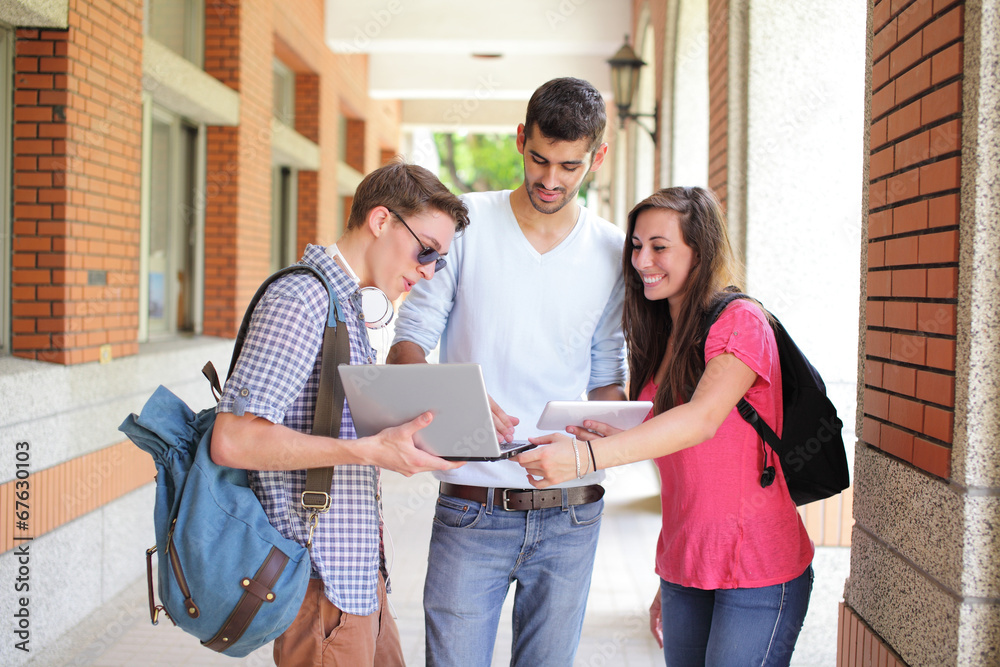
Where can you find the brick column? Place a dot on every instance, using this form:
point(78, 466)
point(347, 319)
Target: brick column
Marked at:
point(922, 584)
point(76, 185)
point(915, 164)
point(354, 152)
point(238, 52)
point(718, 97)
point(307, 117)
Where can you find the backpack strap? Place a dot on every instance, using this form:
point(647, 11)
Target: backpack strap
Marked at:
point(727, 297)
point(335, 314)
point(327, 415)
point(330, 398)
point(747, 411)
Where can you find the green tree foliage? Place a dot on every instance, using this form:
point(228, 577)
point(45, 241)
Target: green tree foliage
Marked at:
point(483, 162)
point(479, 162)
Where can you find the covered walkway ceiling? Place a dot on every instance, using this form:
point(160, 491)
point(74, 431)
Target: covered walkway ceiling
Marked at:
point(474, 63)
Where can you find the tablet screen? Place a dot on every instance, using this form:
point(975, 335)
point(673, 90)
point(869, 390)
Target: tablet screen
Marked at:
point(557, 415)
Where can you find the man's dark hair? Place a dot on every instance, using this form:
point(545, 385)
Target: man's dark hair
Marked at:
point(408, 190)
point(567, 109)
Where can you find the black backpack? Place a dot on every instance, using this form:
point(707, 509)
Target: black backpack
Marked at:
point(811, 448)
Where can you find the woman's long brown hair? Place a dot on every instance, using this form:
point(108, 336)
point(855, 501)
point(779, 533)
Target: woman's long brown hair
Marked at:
point(648, 325)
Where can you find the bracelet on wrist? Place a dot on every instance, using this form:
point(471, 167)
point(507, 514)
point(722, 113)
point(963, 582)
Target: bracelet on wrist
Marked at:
point(576, 452)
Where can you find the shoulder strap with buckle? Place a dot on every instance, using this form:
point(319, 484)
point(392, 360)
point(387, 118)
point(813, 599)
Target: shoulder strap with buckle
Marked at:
point(329, 408)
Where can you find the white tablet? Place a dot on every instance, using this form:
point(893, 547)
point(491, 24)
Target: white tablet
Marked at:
point(557, 415)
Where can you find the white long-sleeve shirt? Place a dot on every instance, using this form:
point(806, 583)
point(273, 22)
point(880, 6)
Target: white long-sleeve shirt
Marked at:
point(542, 326)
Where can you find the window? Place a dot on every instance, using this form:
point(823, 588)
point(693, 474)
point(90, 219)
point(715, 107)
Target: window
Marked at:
point(171, 273)
point(6, 76)
point(179, 25)
point(284, 93)
point(284, 200)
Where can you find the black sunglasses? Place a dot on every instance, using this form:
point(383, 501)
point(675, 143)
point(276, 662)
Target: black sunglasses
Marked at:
point(426, 254)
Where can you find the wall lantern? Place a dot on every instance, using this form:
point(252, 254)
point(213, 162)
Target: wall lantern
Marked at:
point(625, 66)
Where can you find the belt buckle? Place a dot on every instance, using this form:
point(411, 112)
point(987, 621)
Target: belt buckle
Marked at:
point(505, 498)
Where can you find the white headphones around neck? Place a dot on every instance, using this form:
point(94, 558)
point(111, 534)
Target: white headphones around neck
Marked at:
point(376, 308)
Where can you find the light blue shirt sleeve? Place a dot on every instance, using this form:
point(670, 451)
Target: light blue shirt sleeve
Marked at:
point(424, 314)
point(607, 349)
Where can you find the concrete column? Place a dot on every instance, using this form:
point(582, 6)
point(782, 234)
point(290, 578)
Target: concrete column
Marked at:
point(804, 149)
point(925, 563)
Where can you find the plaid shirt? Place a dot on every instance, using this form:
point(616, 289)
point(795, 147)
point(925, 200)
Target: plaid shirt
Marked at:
point(279, 367)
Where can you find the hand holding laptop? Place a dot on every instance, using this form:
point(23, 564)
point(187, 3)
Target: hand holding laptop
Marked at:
point(465, 424)
point(393, 449)
point(505, 423)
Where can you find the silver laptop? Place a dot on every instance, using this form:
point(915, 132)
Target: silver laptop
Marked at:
point(462, 430)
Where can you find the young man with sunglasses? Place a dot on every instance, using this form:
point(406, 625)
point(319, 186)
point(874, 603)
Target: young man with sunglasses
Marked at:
point(534, 294)
point(265, 414)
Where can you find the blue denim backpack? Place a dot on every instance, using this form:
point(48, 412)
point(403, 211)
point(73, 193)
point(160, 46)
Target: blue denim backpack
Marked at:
point(225, 573)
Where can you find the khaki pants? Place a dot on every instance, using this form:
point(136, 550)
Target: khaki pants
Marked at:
point(323, 636)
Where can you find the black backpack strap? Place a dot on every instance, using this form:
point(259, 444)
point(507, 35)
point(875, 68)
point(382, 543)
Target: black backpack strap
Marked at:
point(336, 314)
point(330, 398)
point(747, 411)
point(726, 298)
point(766, 433)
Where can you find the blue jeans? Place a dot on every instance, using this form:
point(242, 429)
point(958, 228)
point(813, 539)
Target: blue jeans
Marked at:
point(478, 550)
point(733, 627)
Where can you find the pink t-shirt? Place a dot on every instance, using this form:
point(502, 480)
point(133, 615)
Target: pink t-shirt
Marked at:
point(720, 528)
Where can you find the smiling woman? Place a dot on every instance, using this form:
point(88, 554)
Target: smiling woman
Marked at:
point(661, 256)
point(728, 541)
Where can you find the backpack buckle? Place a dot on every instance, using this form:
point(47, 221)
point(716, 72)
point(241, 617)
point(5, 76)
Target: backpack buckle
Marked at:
point(747, 411)
point(317, 501)
point(313, 521)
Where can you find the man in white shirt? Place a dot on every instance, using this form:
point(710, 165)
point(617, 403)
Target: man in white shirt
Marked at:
point(533, 292)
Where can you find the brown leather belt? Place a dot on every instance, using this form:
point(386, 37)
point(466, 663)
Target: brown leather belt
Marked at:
point(524, 499)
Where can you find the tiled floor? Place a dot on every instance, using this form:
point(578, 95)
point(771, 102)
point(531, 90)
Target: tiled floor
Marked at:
point(615, 629)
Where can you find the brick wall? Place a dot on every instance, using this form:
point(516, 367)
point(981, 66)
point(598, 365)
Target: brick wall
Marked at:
point(77, 137)
point(77, 167)
point(718, 97)
point(859, 646)
point(386, 155)
point(222, 34)
point(307, 123)
point(354, 151)
point(256, 55)
point(914, 172)
point(238, 52)
point(73, 488)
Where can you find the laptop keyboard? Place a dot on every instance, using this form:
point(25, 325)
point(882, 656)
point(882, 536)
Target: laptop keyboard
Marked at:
point(507, 446)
